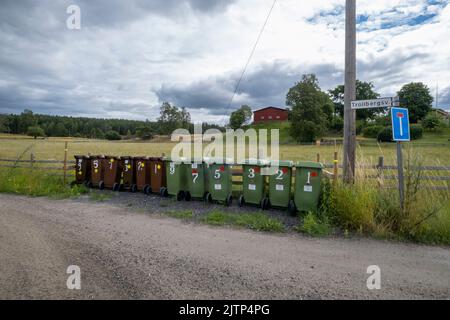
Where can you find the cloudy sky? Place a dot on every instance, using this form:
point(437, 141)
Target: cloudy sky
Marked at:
point(129, 56)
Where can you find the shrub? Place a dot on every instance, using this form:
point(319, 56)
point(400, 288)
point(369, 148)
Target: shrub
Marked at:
point(432, 122)
point(385, 135)
point(35, 131)
point(314, 226)
point(372, 131)
point(416, 131)
point(359, 126)
point(112, 135)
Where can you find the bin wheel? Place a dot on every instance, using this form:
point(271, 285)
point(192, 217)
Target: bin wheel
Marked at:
point(291, 208)
point(180, 195)
point(101, 185)
point(265, 203)
point(133, 188)
point(208, 197)
point(121, 187)
point(205, 196)
point(116, 187)
point(188, 197)
point(163, 192)
point(147, 189)
point(229, 200)
point(241, 201)
point(88, 184)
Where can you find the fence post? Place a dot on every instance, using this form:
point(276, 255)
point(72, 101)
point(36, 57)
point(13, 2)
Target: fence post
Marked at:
point(335, 167)
point(65, 162)
point(31, 160)
point(380, 175)
point(318, 157)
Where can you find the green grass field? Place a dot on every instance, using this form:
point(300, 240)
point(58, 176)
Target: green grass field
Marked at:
point(434, 149)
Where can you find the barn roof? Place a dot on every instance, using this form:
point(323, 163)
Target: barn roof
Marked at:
point(282, 109)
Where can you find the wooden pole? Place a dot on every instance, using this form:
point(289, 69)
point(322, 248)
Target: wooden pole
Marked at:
point(32, 160)
point(65, 162)
point(349, 91)
point(318, 157)
point(380, 175)
point(335, 167)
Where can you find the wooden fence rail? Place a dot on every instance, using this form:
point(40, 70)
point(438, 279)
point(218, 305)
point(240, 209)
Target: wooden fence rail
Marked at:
point(68, 165)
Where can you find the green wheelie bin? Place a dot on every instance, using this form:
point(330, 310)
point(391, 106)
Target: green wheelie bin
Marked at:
point(280, 184)
point(253, 184)
point(176, 177)
point(220, 181)
point(307, 186)
point(197, 180)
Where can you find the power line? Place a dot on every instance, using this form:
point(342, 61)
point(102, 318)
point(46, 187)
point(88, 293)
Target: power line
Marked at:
point(251, 53)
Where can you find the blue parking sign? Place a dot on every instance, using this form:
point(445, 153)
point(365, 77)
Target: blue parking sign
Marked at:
point(400, 124)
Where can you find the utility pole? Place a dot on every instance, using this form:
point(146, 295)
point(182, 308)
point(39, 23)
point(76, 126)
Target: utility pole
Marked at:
point(350, 91)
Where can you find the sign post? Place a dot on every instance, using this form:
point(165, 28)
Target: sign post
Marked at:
point(400, 132)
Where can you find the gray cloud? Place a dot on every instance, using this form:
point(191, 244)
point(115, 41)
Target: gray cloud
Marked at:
point(265, 85)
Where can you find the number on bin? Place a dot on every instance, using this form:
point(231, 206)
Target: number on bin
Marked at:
point(251, 173)
point(217, 174)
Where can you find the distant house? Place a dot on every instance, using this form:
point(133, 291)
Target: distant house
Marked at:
point(270, 114)
point(443, 113)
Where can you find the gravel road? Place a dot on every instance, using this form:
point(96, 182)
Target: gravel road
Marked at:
point(126, 253)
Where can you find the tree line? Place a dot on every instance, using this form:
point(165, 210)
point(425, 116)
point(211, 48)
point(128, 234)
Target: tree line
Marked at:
point(39, 125)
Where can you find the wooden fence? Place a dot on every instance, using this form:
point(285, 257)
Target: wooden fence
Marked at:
point(440, 179)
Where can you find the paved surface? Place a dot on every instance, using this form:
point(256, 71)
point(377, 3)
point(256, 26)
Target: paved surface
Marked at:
point(126, 253)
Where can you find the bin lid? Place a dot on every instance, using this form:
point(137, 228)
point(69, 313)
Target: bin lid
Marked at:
point(220, 160)
point(78, 156)
point(179, 160)
point(256, 162)
point(140, 158)
point(282, 163)
point(309, 164)
point(155, 158)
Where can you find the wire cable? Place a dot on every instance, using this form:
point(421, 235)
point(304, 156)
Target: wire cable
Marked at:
point(251, 54)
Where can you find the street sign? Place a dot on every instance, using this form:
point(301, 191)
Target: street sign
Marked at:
point(400, 124)
point(374, 103)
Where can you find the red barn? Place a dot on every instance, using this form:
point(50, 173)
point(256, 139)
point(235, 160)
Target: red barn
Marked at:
point(270, 114)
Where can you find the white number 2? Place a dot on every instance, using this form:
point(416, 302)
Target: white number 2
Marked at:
point(279, 174)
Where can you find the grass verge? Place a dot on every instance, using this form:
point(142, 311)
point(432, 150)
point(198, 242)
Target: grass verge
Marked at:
point(255, 221)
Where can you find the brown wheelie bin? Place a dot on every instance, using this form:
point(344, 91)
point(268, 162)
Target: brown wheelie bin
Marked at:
point(128, 174)
point(142, 174)
point(158, 176)
point(82, 169)
point(113, 173)
point(98, 164)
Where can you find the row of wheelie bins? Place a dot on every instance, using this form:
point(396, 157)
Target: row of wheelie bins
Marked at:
point(207, 179)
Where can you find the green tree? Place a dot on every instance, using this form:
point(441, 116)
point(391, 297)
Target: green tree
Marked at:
point(171, 118)
point(417, 98)
point(240, 117)
point(35, 131)
point(112, 135)
point(26, 120)
point(145, 132)
point(364, 91)
point(432, 121)
point(311, 109)
point(3, 125)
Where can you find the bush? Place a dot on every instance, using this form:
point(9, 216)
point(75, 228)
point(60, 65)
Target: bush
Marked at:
point(314, 226)
point(416, 131)
point(385, 135)
point(112, 135)
point(432, 122)
point(35, 131)
point(337, 124)
point(359, 125)
point(372, 131)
